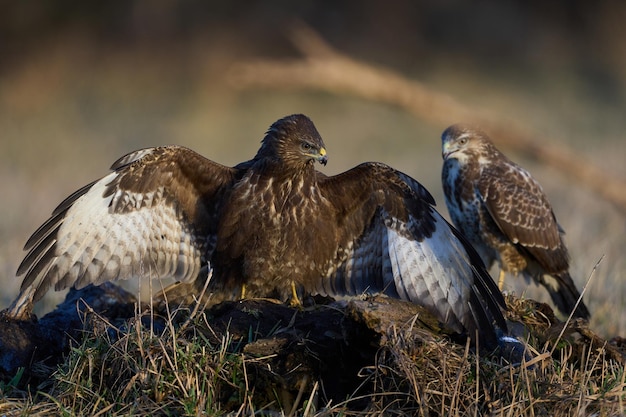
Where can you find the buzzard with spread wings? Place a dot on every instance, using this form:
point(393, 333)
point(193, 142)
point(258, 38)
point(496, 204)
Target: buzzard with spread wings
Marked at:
point(505, 214)
point(273, 225)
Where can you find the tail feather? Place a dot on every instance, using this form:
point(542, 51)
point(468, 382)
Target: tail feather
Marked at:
point(564, 294)
point(22, 307)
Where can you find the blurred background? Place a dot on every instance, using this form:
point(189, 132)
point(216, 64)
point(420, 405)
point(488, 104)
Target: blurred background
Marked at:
point(83, 83)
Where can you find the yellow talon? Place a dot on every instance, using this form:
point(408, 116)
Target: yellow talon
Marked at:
point(501, 279)
point(243, 291)
point(295, 301)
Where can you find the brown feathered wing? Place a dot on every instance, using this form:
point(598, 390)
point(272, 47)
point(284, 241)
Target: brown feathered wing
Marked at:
point(407, 250)
point(151, 217)
point(518, 206)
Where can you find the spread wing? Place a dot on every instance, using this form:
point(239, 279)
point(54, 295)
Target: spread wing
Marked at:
point(397, 243)
point(521, 210)
point(153, 216)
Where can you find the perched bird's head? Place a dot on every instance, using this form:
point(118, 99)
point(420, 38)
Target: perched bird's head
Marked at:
point(293, 140)
point(462, 142)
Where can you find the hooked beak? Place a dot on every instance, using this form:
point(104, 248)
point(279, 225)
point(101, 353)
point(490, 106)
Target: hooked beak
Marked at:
point(446, 151)
point(322, 158)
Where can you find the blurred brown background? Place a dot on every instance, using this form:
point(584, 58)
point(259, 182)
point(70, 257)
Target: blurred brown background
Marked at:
point(82, 83)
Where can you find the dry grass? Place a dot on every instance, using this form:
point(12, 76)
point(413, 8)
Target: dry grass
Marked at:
point(182, 371)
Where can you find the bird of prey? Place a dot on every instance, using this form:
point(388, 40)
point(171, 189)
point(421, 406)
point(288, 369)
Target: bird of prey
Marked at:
point(505, 214)
point(273, 225)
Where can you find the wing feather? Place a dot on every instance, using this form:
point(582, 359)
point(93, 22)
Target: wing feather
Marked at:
point(56, 218)
point(520, 209)
point(400, 245)
point(154, 216)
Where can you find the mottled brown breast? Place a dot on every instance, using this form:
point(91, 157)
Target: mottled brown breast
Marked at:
point(272, 232)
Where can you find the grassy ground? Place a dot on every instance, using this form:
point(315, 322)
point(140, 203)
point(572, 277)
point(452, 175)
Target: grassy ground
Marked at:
point(243, 364)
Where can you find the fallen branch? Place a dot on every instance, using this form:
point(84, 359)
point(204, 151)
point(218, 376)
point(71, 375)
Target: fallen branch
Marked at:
point(324, 68)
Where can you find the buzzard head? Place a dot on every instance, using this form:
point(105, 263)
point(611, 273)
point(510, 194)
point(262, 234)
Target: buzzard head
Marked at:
point(293, 141)
point(464, 143)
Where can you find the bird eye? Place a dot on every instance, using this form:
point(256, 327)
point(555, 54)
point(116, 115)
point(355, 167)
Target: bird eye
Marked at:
point(306, 146)
point(462, 141)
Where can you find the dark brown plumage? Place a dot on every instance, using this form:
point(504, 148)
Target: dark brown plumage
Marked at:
point(505, 214)
point(266, 223)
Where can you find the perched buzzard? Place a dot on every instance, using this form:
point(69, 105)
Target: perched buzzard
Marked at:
point(272, 224)
point(505, 214)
